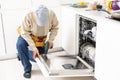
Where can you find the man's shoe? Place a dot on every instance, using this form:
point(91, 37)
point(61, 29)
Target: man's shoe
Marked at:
point(27, 74)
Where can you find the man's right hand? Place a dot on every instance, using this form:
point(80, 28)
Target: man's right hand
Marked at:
point(50, 44)
point(35, 54)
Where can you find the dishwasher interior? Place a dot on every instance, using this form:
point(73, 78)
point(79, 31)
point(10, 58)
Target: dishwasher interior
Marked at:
point(59, 63)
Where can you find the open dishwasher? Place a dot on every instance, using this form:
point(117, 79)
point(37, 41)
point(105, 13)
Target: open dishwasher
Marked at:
point(59, 63)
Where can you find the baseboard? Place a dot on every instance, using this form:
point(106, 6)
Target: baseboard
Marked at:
point(8, 57)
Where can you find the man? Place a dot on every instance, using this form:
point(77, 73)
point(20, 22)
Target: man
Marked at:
point(34, 30)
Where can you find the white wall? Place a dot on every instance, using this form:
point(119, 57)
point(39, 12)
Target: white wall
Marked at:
point(15, 4)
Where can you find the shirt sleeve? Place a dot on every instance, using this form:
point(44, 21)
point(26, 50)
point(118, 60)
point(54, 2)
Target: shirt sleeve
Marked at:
point(54, 27)
point(26, 31)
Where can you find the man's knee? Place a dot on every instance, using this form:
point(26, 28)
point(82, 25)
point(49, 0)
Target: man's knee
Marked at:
point(21, 43)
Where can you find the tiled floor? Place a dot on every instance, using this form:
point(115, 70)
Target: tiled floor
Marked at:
point(12, 70)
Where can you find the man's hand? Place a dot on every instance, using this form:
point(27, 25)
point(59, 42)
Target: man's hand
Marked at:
point(35, 53)
point(50, 44)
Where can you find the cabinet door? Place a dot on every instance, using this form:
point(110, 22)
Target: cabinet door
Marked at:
point(11, 20)
point(108, 50)
point(15, 4)
point(2, 47)
point(69, 35)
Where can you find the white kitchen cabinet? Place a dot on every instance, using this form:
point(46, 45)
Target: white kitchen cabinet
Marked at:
point(11, 20)
point(69, 31)
point(2, 46)
point(12, 13)
point(107, 57)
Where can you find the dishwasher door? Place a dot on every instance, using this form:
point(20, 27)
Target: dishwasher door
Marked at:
point(60, 64)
